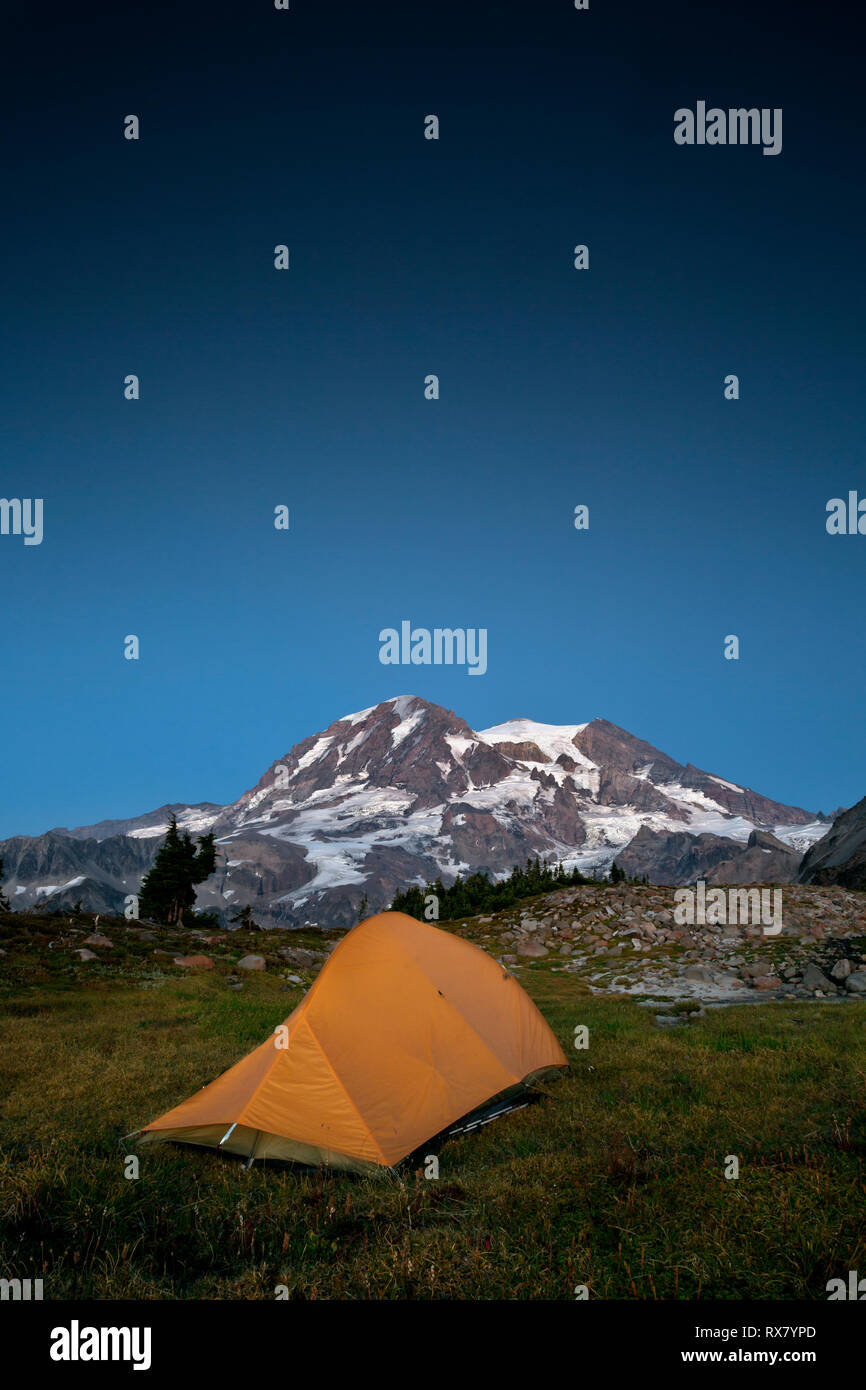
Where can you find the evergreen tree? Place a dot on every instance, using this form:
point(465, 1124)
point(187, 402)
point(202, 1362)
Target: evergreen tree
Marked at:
point(168, 891)
point(245, 917)
point(362, 909)
point(478, 893)
point(4, 901)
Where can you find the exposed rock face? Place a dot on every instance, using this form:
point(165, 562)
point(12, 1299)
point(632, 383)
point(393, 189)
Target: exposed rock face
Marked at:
point(841, 856)
point(676, 857)
point(407, 792)
point(56, 870)
point(188, 818)
point(612, 747)
point(764, 859)
point(684, 858)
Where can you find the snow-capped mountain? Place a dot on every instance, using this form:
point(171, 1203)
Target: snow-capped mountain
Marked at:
point(406, 792)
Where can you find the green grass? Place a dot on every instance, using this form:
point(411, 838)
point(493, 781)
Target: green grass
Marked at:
point(614, 1180)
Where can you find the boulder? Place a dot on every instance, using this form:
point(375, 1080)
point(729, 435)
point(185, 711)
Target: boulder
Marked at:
point(531, 948)
point(757, 968)
point(814, 978)
point(841, 970)
point(856, 982)
point(298, 956)
point(86, 955)
point(194, 962)
point(96, 940)
point(251, 963)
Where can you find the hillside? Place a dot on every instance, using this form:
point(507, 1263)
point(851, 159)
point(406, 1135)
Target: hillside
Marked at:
point(840, 857)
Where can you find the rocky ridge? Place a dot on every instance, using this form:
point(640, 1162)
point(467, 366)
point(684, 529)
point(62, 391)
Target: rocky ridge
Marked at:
point(608, 939)
point(406, 792)
point(625, 940)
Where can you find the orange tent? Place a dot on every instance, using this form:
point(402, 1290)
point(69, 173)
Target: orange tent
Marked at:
point(406, 1030)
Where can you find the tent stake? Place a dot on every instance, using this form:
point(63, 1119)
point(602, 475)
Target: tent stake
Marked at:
point(249, 1162)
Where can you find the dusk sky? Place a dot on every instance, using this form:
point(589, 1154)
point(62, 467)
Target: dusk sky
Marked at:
point(305, 387)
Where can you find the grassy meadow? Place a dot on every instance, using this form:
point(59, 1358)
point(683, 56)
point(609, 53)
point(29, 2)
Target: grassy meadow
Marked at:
point(614, 1180)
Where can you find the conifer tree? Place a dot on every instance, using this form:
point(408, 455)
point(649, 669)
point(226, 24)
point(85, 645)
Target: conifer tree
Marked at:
point(4, 901)
point(478, 893)
point(168, 891)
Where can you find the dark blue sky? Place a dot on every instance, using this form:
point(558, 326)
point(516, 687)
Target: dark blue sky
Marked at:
point(305, 387)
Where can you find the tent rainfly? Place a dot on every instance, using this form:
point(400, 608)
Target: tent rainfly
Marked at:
point(406, 1031)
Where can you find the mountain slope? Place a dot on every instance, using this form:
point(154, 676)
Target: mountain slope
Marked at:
point(406, 791)
point(841, 856)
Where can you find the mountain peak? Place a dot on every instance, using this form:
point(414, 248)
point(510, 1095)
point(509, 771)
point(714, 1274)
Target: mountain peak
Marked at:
point(405, 791)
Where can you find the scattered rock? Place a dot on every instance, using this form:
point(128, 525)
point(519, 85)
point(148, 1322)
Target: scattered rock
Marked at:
point(86, 955)
point(298, 956)
point(96, 940)
point(856, 982)
point(194, 962)
point(757, 968)
point(251, 963)
point(531, 948)
point(814, 978)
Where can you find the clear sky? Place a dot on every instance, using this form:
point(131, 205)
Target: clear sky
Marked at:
point(305, 387)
